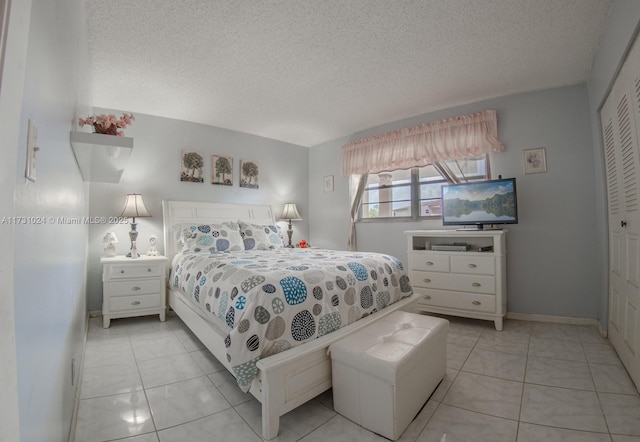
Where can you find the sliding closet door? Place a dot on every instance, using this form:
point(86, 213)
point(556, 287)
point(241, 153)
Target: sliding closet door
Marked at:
point(620, 119)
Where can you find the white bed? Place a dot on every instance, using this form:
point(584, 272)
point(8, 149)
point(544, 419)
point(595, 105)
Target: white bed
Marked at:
point(285, 380)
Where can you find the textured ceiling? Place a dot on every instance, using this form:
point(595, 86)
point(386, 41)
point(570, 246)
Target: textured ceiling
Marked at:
point(310, 71)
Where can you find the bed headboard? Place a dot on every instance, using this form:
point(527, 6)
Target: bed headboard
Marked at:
point(179, 212)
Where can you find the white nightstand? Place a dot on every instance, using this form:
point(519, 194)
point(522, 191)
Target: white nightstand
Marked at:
point(133, 287)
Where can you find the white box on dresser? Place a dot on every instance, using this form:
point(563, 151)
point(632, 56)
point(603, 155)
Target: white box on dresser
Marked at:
point(470, 283)
point(133, 287)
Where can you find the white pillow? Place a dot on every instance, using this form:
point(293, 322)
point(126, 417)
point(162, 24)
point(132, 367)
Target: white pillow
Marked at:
point(224, 237)
point(260, 236)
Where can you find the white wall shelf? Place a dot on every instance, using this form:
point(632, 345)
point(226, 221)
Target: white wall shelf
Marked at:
point(101, 158)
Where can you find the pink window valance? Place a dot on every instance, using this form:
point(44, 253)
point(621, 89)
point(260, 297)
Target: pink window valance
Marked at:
point(454, 138)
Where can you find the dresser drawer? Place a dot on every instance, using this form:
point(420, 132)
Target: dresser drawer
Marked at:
point(136, 302)
point(477, 265)
point(134, 287)
point(120, 271)
point(429, 262)
point(454, 282)
point(466, 301)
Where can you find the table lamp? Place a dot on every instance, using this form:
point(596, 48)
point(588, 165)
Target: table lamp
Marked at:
point(290, 213)
point(133, 208)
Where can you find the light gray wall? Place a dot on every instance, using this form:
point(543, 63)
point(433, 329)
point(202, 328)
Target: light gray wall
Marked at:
point(621, 29)
point(552, 260)
point(50, 259)
point(13, 71)
point(154, 171)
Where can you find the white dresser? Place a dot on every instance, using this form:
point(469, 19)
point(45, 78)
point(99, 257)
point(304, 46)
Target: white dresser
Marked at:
point(133, 287)
point(470, 282)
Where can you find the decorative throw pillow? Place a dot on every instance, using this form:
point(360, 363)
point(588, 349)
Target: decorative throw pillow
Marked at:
point(224, 237)
point(260, 236)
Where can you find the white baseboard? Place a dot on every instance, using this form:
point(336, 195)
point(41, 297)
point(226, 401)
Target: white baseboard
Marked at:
point(95, 313)
point(558, 320)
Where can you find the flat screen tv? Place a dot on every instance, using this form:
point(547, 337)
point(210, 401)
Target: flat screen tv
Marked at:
point(479, 204)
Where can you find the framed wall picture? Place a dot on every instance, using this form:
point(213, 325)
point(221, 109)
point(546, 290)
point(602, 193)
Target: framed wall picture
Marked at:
point(192, 167)
point(221, 170)
point(328, 183)
point(249, 172)
point(535, 160)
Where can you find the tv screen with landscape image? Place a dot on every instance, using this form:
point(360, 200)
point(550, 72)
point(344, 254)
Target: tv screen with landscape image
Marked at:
point(480, 203)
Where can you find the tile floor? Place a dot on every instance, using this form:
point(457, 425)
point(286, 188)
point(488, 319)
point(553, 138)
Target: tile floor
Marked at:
point(145, 381)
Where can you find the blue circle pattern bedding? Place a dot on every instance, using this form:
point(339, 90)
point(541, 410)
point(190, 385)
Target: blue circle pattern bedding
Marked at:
point(274, 300)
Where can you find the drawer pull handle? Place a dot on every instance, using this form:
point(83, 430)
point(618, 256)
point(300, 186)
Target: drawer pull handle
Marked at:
point(472, 266)
point(122, 271)
point(429, 263)
point(476, 284)
point(427, 297)
point(476, 303)
point(149, 270)
point(135, 303)
point(135, 289)
point(426, 280)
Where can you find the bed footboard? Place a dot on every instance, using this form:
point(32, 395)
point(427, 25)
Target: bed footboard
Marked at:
point(289, 379)
point(284, 387)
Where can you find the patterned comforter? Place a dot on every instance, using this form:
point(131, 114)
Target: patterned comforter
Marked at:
point(274, 300)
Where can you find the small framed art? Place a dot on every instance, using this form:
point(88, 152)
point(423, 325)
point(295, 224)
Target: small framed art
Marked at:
point(221, 170)
point(249, 171)
point(535, 160)
point(328, 183)
point(192, 167)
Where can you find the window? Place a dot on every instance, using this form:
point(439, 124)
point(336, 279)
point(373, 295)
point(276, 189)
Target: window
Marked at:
point(414, 193)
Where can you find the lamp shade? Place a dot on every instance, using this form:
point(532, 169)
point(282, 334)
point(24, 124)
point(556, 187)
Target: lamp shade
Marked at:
point(290, 212)
point(110, 237)
point(134, 206)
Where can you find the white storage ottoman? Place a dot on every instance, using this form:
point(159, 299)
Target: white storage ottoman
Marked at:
point(384, 373)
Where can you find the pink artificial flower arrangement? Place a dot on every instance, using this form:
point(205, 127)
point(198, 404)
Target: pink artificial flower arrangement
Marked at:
point(108, 124)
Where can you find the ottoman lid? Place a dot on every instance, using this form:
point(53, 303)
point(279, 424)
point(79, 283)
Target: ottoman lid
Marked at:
point(389, 346)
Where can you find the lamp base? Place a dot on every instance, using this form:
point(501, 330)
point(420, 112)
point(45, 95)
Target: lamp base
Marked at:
point(110, 250)
point(134, 251)
point(133, 236)
point(290, 232)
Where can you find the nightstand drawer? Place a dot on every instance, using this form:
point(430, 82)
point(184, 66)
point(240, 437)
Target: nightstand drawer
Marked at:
point(134, 287)
point(455, 282)
point(466, 301)
point(477, 265)
point(120, 271)
point(132, 303)
point(430, 262)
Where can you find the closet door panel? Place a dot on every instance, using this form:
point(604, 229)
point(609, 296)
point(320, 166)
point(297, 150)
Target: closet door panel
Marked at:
point(616, 192)
point(620, 119)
